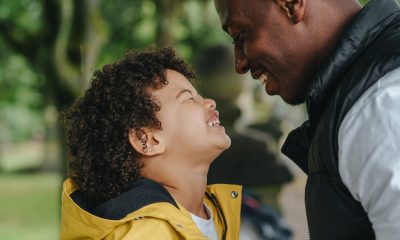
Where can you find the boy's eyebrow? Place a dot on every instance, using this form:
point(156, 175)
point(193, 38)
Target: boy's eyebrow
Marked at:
point(183, 91)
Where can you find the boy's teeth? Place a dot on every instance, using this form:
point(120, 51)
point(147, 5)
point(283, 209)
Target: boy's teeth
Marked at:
point(213, 123)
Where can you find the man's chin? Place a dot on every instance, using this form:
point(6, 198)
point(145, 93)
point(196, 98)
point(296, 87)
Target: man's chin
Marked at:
point(294, 101)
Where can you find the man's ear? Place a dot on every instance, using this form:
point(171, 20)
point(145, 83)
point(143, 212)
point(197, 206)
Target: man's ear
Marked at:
point(146, 142)
point(294, 9)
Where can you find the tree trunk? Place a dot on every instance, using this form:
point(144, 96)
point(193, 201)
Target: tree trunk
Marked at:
point(64, 51)
point(167, 14)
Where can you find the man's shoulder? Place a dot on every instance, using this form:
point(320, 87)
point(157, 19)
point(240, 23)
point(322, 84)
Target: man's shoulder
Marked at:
point(386, 89)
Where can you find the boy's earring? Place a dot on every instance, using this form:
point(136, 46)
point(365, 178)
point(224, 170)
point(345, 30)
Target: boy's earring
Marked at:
point(146, 149)
point(144, 146)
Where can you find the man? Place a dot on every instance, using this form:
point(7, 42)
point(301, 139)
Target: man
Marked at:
point(344, 62)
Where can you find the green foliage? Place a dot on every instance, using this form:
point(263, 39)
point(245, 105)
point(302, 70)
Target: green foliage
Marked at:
point(24, 13)
point(363, 2)
point(131, 25)
point(21, 93)
point(21, 98)
point(134, 25)
point(19, 85)
point(202, 28)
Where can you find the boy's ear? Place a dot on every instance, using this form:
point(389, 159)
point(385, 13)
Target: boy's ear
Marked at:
point(294, 9)
point(146, 142)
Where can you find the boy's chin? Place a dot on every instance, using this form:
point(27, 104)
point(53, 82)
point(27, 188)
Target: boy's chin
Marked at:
point(228, 143)
point(224, 145)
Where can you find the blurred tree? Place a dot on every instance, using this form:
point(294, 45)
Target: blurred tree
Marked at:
point(63, 46)
point(60, 40)
point(139, 24)
point(187, 25)
point(19, 97)
point(167, 12)
point(63, 41)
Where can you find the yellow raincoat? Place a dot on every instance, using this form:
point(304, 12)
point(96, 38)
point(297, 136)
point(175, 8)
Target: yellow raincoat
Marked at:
point(159, 220)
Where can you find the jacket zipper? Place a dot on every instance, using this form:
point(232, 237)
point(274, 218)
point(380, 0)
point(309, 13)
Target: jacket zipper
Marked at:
point(221, 214)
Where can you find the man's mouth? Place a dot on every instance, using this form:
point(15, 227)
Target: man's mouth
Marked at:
point(213, 121)
point(262, 77)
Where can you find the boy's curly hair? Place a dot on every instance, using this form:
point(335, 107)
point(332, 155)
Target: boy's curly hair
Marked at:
point(118, 100)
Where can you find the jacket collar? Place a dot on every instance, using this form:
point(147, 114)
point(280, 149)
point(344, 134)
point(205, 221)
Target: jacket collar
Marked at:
point(361, 32)
point(144, 192)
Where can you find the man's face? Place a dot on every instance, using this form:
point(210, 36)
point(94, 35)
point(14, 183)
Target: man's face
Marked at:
point(269, 45)
point(190, 123)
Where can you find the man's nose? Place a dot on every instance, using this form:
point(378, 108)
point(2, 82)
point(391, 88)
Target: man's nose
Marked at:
point(241, 62)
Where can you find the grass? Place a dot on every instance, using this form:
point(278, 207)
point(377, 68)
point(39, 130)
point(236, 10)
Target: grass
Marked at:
point(29, 206)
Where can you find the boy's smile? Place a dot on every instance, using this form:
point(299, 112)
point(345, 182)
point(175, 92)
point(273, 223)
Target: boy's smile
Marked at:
point(213, 121)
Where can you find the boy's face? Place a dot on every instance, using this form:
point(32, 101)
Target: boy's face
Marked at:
point(190, 123)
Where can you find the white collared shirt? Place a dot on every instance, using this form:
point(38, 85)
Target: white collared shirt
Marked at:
point(369, 154)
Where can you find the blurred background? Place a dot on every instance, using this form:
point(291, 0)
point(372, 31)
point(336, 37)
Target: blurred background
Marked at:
point(48, 50)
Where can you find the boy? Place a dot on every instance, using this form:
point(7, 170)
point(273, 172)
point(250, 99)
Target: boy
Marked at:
point(142, 140)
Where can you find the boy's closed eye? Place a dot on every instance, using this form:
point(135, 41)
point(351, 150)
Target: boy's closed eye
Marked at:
point(193, 98)
point(185, 93)
point(189, 99)
point(188, 95)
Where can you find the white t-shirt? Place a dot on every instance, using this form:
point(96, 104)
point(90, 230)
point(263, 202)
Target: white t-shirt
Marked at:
point(206, 226)
point(369, 154)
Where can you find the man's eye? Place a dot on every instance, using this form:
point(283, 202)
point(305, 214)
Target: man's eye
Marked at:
point(189, 99)
point(237, 40)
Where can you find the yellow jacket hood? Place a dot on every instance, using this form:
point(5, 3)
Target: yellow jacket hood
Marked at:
point(147, 211)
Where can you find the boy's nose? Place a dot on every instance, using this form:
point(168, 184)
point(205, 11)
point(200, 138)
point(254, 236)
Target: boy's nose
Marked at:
point(209, 103)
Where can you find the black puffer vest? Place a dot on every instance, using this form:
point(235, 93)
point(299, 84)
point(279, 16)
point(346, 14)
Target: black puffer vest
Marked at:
point(369, 48)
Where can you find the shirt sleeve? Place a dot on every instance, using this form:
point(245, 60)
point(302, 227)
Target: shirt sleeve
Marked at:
point(369, 154)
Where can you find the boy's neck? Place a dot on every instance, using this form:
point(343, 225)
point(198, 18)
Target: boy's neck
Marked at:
point(187, 184)
point(183, 175)
point(188, 189)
